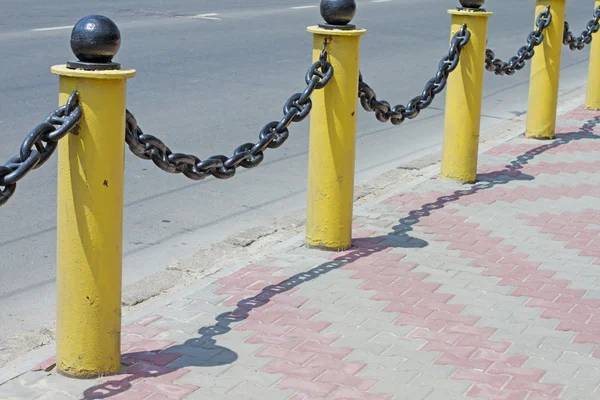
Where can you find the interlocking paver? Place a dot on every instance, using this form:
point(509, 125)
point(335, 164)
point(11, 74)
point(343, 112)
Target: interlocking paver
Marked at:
point(487, 291)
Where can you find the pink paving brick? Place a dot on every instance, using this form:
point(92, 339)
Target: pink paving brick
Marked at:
point(477, 364)
point(279, 353)
point(47, 365)
point(490, 355)
point(531, 375)
point(342, 379)
point(458, 351)
point(494, 393)
point(322, 338)
point(144, 331)
point(472, 341)
point(447, 338)
point(130, 395)
point(345, 393)
point(158, 396)
point(350, 368)
point(148, 320)
point(525, 384)
point(482, 333)
point(326, 350)
point(287, 343)
point(314, 326)
point(155, 358)
point(142, 344)
point(171, 391)
point(411, 320)
point(401, 308)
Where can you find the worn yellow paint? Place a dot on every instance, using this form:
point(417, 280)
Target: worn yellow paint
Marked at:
point(545, 74)
point(333, 142)
point(90, 225)
point(463, 100)
point(592, 101)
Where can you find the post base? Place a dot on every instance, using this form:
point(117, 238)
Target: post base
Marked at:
point(336, 249)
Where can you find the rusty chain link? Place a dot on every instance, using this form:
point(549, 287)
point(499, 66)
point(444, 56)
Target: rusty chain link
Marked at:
point(525, 53)
point(39, 145)
point(578, 43)
point(248, 155)
point(385, 112)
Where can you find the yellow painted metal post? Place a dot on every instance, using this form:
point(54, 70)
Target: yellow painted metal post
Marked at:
point(333, 142)
point(463, 99)
point(90, 220)
point(545, 74)
point(592, 101)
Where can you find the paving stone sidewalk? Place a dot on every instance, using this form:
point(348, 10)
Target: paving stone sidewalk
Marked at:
point(486, 291)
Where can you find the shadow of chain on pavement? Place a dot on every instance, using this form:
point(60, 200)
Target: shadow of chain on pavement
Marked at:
point(204, 350)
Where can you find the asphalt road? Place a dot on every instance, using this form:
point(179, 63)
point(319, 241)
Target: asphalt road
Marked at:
point(210, 75)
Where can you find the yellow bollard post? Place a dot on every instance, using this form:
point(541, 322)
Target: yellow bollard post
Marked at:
point(463, 97)
point(592, 101)
point(90, 205)
point(333, 131)
point(545, 74)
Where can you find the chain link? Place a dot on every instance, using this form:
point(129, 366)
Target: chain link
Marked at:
point(578, 43)
point(39, 145)
point(248, 155)
point(385, 112)
point(525, 53)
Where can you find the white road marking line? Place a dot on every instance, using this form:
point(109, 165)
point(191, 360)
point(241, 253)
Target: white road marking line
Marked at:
point(380, 1)
point(54, 28)
point(210, 17)
point(302, 7)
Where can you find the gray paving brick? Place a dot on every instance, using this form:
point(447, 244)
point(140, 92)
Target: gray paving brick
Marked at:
point(404, 346)
point(587, 372)
point(236, 374)
point(575, 387)
point(574, 358)
point(439, 380)
point(554, 343)
point(259, 392)
point(380, 322)
point(207, 295)
point(444, 395)
point(578, 393)
point(30, 377)
point(12, 390)
point(386, 362)
point(62, 383)
point(206, 394)
point(414, 392)
point(56, 396)
point(414, 359)
point(398, 377)
point(189, 328)
point(550, 364)
point(354, 320)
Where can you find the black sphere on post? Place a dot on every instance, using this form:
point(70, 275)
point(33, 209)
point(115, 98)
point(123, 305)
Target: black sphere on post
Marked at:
point(471, 3)
point(338, 13)
point(95, 40)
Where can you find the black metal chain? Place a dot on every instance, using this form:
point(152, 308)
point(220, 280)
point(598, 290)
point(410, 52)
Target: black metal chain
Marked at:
point(385, 112)
point(525, 53)
point(44, 138)
point(578, 43)
point(248, 155)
